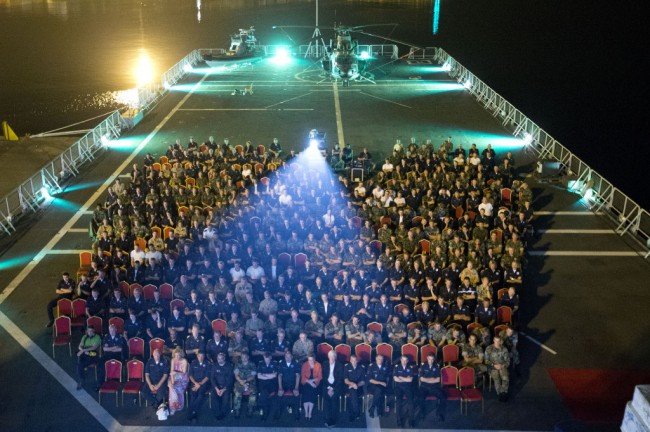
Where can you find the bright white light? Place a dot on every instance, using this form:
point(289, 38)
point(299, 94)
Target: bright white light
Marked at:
point(143, 70)
point(45, 193)
point(313, 143)
point(187, 67)
point(128, 98)
point(166, 85)
point(364, 55)
point(589, 194)
point(446, 67)
point(468, 84)
point(282, 56)
point(528, 138)
point(106, 140)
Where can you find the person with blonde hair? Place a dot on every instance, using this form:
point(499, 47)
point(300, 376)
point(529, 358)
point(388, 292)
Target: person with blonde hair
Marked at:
point(178, 380)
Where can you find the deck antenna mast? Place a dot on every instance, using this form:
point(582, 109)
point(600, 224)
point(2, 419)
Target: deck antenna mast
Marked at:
point(314, 48)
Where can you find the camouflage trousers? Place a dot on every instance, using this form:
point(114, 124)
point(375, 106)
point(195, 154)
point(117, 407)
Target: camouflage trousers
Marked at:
point(239, 392)
point(501, 379)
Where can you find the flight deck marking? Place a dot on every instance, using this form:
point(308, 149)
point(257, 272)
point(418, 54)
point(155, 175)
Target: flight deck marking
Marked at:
point(588, 253)
point(576, 231)
point(246, 109)
point(565, 213)
point(288, 100)
point(86, 401)
point(339, 121)
point(386, 100)
point(78, 230)
point(535, 341)
point(66, 251)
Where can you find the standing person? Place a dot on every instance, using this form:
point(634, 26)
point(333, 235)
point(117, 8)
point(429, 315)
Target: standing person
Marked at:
point(332, 384)
point(222, 378)
point(64, 290)
point(378, 377)
point(403, 374)
point(310, 378)
point(178, 379)
point(430, 386)
point(288, 386)
point(88, 354)
point(355, 380)
point(200, 380)
point(497, 359)
point(156, 373)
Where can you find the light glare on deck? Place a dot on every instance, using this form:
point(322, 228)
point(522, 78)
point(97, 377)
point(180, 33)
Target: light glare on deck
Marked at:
point(281, 57)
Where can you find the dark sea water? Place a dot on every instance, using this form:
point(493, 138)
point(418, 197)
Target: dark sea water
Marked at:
point(574, 67)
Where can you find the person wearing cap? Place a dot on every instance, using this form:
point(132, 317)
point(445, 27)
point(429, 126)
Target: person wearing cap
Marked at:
point(64, 290)
point(267, 380)
point(222, 379)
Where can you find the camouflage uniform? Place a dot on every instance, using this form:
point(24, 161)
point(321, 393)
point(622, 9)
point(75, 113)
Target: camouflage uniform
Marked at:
point(510, 342)
point(246, 372)
point(474, 352)
point(498, 356)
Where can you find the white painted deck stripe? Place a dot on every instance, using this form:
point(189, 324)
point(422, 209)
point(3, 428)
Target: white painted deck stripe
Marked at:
point(78, 230)
point(587, 253)
point(68, 383)
point(536, 342)
point(339, 120)
point(385, 100)
point(246, 109)
point(565, 213)
point(66, 251)
point(576, 231)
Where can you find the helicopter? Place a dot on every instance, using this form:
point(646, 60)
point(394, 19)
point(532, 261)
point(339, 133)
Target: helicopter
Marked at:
point(343, 61)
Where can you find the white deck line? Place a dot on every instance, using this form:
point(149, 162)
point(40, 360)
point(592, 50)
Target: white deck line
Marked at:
point(66, 251)
point(588, 253)
point(246, 109)
point(68, 383)
point(78, 230)
point(566, 213)
point(339, 120)
point(576, 231)
point(536, 342)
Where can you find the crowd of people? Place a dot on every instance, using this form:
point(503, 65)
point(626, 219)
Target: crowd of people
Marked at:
point(427, 245)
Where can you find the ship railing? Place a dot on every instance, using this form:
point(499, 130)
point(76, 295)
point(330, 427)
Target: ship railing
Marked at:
point(600, 194)
point(31, 195)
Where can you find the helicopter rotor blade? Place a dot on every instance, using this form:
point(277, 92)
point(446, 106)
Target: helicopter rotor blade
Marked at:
point(389, 39)
point(372, 25)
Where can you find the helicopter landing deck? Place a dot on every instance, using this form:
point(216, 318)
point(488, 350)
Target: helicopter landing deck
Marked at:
point(406, 100)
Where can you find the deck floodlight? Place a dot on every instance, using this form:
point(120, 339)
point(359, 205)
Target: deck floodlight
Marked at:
point(528, 138)
point(446, 67)
point(468, 84)
point(364, 55)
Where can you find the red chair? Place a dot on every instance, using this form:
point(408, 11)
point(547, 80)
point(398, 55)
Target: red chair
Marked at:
point(154, 344)
point(125, 288)
point(357, 222)
point(177, 303)
point(299, 260)
point(472, 327)
point(133, 287)
point(64, 307)
point(504, 315)
point(424, 352)
point(166, 291)
point(219, 324)
point(96, 323)
point(375, 326)
point(363, 352)
point(79, 313)
point(119, 324)
point(410, 351)
point(376, 246)
point(136, 347)
point(498, 329)
point(425, 247)
point(85, 258)
point(62, 334)
point(261, 149)
point(468, 390)
point(449, 381)
point(450, 354)
point(284, 259)
point(148, 290)
point(322, 349)
point(113, 370)
point(506, 197)
point(166, 232)
point(399, 308)
point(344, 352)
point(459, 212)
point(134, 379)
point(501, 293)
point(386, 350)
point(415, 324)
